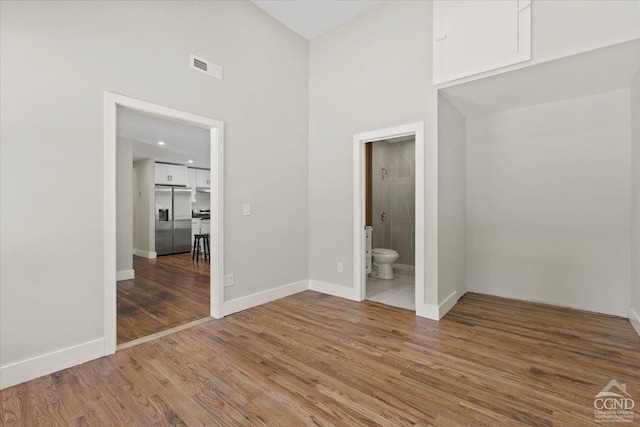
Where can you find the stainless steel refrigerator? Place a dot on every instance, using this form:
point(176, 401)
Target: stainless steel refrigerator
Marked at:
point(173, 220)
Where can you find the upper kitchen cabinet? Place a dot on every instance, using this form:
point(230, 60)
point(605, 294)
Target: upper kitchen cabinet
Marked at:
point(167, 174)
point(472, 37)
point(203, 178)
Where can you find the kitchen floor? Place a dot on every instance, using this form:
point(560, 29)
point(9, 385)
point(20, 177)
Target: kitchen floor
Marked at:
point(398, 292)
point(166, 292)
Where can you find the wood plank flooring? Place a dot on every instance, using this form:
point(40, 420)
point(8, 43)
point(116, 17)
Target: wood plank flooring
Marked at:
point(166, 292)
point(313, 359)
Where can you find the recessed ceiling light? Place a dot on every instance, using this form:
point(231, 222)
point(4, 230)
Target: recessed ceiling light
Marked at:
point(160, 143)
point(190, 161)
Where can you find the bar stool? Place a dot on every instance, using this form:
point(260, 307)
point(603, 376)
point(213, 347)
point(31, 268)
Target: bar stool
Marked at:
point(196, 246)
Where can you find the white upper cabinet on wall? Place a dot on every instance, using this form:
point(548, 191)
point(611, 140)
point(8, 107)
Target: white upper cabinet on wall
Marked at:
point(472, 37)
point(203, 178)
point(171, 174)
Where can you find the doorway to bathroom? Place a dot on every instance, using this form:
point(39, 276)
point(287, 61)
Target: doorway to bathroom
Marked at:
point(390, 221)
point(389, 216)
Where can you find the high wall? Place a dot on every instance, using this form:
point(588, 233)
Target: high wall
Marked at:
point(376, 71)
point(371, 73)
point(548, 203)
point(634, 314)
point(452, 203)
point(58, 58)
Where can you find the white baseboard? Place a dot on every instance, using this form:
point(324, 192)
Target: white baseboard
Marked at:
point(428, 311)
point(447, 304)
point(125, 275)
point(333, 289)
point(437, 312)
point(145, 254)
point(634, 318)
point(25, 370)
point(264, 297)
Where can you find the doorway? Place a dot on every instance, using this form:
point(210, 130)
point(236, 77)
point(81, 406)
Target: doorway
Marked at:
point(163, 278)
point(146, 261)
point(369, 168)
point(390, 221)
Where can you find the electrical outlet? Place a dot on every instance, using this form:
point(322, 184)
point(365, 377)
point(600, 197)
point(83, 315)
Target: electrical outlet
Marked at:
point(228, 280)
point(339, 267)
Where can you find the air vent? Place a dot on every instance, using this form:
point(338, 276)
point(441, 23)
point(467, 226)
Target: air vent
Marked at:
point(206, 67)
point(199, 64)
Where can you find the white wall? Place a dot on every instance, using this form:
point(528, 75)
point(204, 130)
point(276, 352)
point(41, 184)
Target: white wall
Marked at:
point(635, 203)
point(144, 227)
point(452, 201)
point(57, 60)
point(203, 201)
point(124, 205)
point(565, 27)
point(548, 203)
point(371, 73)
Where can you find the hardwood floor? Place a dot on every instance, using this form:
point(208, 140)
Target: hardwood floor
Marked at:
point(313, 359)
point(167, 291)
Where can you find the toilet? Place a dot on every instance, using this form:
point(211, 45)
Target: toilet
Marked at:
point(382, 263)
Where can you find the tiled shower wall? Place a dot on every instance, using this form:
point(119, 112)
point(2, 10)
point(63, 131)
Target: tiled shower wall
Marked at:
point(394, 194)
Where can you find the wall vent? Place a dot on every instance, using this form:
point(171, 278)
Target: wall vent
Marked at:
point(206, 67)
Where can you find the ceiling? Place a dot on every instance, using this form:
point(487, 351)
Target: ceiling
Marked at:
point(584, 74)
point(182, 142)
point(312, 18)
point(405, 138)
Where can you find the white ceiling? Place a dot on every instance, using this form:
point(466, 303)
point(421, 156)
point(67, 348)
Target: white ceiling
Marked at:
point(400, 139)
point(589, 73)
point(182, 142)
point(312, 18)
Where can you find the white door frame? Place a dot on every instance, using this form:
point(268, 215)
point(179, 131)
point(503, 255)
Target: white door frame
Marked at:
point(359, 180)
point(216, 128)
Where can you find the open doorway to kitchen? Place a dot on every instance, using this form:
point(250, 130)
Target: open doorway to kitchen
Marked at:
point(389, 216)
point(167, 196)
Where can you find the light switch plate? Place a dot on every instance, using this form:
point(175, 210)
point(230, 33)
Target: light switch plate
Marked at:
point(247, 209)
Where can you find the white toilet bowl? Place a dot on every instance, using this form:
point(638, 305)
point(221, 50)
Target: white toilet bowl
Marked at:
point(382, 262)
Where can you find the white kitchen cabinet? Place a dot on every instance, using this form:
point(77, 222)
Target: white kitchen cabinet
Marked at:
point(471, 37)
point(203, 178)
point(167, 174)
point(163, 175)
point(178, 175)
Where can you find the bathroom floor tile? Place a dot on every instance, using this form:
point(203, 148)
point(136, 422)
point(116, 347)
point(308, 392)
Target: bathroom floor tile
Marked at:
point(392, 285)
point(402, 300)
point(398, 292)
point(378, 293)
